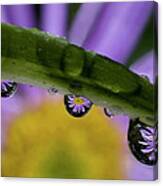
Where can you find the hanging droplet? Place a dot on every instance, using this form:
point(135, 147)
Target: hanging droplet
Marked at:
point(77, 106)
point(108, 113)
point(145, 77)
point(8, 88)
point(143, 142)
point(52, 91)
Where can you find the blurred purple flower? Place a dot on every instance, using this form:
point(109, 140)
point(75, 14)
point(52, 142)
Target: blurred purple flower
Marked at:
point(115, 27)
point(21, 15)
point(112, 29)
point(54, 18)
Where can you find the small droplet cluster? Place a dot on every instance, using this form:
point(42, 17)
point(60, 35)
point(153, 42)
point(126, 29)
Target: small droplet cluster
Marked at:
point(52, 91)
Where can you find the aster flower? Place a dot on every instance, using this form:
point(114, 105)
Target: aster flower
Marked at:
point(113, 29)
point(77, 105)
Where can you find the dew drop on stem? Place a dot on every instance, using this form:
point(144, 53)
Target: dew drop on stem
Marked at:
point(145, 77)
point(143, 142)
point(8, 88)
point(52, 91)
point(77, 106)
point(108, 113)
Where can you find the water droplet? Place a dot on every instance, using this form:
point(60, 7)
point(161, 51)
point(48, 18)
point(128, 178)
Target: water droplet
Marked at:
point(143, 142)
point(52, 91)
point(77, 106)
point(8, 88)
point(145, 77)
point(108, 113)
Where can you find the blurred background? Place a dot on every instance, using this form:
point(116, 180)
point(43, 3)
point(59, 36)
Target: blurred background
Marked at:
point(39, 137)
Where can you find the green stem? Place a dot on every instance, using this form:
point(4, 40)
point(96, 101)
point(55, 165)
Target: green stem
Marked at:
point(36, 58)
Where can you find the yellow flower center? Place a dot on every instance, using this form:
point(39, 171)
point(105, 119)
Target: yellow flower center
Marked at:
point(78, 101)
point(46, 142)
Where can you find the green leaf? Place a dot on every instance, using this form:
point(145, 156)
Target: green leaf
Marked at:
point(34, 57)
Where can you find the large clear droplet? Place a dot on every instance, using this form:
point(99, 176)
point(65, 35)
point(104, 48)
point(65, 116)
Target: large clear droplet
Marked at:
point(143, 142)
point(108, 113)
point(52, 91)
point(77, 106)
point(8, 88)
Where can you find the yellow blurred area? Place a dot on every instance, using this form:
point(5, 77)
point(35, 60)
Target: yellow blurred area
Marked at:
point(48, 142)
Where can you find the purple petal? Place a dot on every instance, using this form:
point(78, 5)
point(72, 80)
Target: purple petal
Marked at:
point(3, 14)
point(11, 106)
point(141, 172)
point(71, 97)
point(32, 95)
point(76, 108)
point(83, 109)
point(143, 143)
point(70, 101)
point(87, 104)
point(85, 19)
point(151, 129)
point(71, 105)
point(21, 15)
point(146, 65)
point(118, 29)
point(122, 122)
point(54, 18)
point(145, 133)
point(147, 150)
